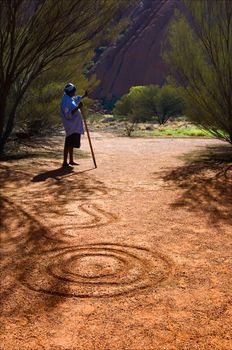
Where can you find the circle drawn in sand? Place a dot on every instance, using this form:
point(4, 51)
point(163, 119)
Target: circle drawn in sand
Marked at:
point(98, 270)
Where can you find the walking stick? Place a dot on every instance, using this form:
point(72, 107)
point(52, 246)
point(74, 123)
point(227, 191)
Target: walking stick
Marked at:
point(90, 143)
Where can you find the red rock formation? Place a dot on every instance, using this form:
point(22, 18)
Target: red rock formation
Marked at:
point(136, 58)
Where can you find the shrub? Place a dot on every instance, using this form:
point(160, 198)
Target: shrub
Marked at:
point(147, 103)
point(200, 63)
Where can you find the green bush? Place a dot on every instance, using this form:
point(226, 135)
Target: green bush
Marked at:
point(148, 103)
point(39, 110)
point(200, 59)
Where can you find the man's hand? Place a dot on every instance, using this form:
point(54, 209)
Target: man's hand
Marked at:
point(80, 105)
point(85, 94)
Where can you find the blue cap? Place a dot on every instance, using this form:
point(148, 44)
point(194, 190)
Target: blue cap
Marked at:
point(70, 88)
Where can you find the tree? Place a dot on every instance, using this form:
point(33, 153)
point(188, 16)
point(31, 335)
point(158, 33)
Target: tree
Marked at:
point(146, 103)
point(35, 34)
point(39, 109)
point(200, 62)
point(128, 106)
point(168, 103)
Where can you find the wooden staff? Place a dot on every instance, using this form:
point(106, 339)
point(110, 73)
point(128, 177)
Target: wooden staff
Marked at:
point(90, 143)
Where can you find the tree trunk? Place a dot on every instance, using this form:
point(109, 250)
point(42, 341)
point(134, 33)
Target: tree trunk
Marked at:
point(7, 121)
point(8, 130)
point(1, 148)
point(2, 119)
point(6, 126)
point(230, 137)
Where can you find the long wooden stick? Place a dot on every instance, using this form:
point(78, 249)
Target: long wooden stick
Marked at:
point(90, 143)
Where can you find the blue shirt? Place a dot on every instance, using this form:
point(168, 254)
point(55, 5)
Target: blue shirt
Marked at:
point(73, 123)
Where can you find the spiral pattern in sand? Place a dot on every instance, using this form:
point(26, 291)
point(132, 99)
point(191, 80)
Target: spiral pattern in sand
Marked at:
point(97, 270)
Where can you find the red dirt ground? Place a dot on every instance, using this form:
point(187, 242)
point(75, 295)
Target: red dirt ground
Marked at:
point(134, 255)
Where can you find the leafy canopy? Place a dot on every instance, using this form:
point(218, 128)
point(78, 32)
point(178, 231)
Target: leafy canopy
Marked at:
point(200, 60)
point(150, 102)
point(35, 35)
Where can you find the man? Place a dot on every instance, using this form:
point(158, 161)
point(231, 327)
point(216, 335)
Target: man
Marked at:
point(71, 107)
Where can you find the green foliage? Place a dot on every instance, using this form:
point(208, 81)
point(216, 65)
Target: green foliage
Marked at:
point(174, 132)
point(35, 36)
point(168, 103)
point(126, 106)
point(181, 132)
point(151, 102)
point(200, 61)
point(39, 110)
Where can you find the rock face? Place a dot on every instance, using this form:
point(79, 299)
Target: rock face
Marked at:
point(136, 58)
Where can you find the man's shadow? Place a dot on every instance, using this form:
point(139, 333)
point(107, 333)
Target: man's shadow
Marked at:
point(56, 174)
point(53, 174)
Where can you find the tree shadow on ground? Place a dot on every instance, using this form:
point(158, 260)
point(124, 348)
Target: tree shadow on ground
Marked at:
point(206, 181)
point(22, 235)
point(49, 147)
point(27, 234)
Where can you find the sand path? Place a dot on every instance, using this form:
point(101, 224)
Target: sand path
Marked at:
point(134, 255)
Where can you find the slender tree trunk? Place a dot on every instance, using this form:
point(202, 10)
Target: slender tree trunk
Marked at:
point(2, 119)
point(2, 144)
point(8, 130)
point(160, 119)
point(7, 125)
point(230, 137)
point(7, 121)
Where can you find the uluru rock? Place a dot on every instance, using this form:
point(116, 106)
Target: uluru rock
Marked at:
point(135, 59)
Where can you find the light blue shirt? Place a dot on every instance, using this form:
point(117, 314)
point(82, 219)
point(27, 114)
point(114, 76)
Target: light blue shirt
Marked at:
point(72, 122)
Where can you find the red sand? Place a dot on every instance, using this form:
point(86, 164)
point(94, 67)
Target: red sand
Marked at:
point(135, 255)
